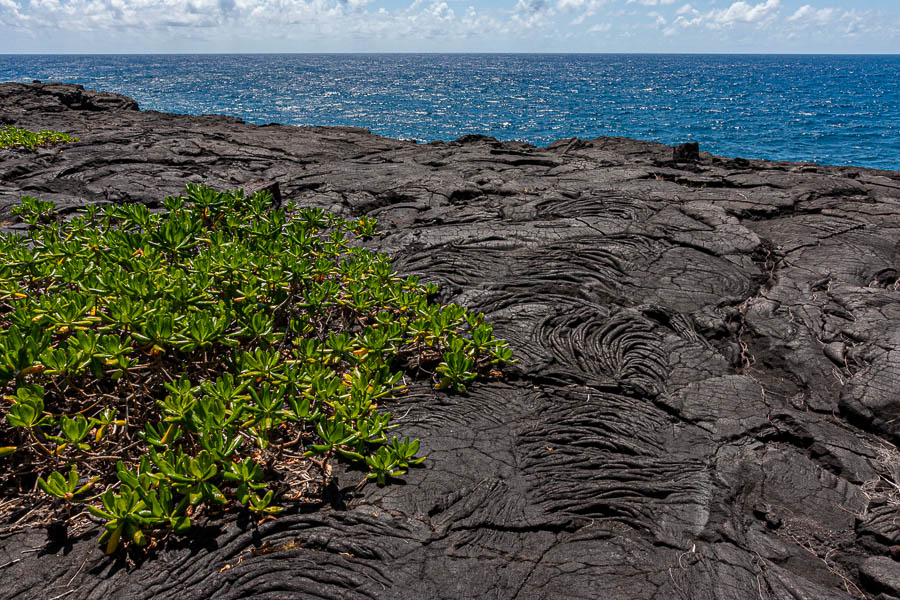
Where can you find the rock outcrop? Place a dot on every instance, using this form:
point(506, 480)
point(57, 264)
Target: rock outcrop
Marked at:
point(706, 400)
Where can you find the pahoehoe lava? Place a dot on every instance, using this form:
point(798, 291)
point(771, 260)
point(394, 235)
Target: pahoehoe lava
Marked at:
point(707, 395)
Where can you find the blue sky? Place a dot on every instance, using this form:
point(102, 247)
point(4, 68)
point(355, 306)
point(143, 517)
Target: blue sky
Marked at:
point(124, 26)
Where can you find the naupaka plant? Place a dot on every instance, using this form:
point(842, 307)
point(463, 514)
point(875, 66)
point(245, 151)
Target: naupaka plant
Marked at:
point(18, 137)
point(159, 366)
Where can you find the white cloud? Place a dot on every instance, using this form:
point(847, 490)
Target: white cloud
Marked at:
point(651, 2)
point(9, 13)
point(280, 19)
point(530, 14)
point(583, 8)
point(681, 22)
point(853, 23)
point(454, 25)
point(801, 13)
point(575, 5)
point(741, 12)
point(806, 14)
point(737, 13)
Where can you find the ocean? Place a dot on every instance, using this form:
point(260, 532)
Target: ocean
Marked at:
point(828, 109)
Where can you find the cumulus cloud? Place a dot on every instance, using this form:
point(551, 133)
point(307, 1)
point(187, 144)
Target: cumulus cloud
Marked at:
point(530, 14)
point(139, 14)
point(801, 13)
point(742, 12)
point(657, 17)
point(9, 13)
point(738, 13)
point(808, 14)
point(282, 23)
point(800, 28)
point(331, 25)
point(681, 22)
point(582, 8)
point(854, 23)
point(651, 2)
point(89, 15)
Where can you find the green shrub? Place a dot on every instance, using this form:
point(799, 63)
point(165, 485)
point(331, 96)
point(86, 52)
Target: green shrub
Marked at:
point(157, 366)
point(16, 137)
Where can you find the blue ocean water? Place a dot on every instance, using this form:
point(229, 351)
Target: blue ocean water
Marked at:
point(828, 109)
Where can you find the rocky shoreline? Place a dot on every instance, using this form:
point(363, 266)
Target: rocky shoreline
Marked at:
point(705, 404)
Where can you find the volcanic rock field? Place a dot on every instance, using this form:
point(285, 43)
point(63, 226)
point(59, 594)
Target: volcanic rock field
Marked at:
point(705, 404)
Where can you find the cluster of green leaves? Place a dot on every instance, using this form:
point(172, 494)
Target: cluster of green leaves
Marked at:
point(17, 137)
point(167, 362)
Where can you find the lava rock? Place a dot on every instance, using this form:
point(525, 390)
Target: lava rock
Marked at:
point(265, 186)
point(59, 97)
point(687, 152)
point(881, 574)
point(706, 388)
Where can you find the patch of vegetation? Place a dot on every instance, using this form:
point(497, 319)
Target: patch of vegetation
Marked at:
point(17, 137)
point(160, 366)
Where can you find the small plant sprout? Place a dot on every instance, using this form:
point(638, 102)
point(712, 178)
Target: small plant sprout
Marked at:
point(383, 464)
point(183, 361)
point(33, 211)
point(457, 370)
point(65, 488)
point(27, 410)
point(124, 514)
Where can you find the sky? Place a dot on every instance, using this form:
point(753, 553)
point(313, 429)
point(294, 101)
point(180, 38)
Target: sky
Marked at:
point(195, 26)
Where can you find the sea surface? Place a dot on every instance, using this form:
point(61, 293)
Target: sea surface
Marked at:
point(833, 109)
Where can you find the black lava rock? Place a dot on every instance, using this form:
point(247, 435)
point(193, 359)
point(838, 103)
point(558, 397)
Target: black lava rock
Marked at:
point(687, 152)
point(707, 387)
